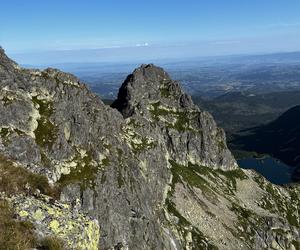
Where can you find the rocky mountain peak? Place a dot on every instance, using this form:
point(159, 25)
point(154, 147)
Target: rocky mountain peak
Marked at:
point(149, 72)
point(150, 95)
point(5, 62)
point(149, 84)
point(2, 51)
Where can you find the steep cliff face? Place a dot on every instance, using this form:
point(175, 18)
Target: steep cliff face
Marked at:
point(191, 135)
point(153, 171)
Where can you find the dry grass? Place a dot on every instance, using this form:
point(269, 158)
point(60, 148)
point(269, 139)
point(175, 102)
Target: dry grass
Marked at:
point(14, 235)
point(20, 235)
point(15, 180)
point(52, 243)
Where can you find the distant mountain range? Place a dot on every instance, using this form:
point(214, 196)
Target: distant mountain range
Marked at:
point(236, 111)
point(93, 60)
point(280, 138)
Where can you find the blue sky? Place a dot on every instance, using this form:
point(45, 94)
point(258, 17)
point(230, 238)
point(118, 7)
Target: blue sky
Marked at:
point(34, 31)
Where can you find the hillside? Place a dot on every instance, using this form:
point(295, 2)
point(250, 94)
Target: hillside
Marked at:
point(237, 111)
point(280, 138)
point(151, 172)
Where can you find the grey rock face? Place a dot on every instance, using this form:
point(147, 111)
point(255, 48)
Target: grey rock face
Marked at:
point(154, 169)
point(191, 135)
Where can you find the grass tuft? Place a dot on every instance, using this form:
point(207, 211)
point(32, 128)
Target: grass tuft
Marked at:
point(14, 235)
point(15, 180)
point(52, 243)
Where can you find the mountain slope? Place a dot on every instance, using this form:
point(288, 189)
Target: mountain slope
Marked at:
point(154, 171)
point(280, 138)
point(248, 110)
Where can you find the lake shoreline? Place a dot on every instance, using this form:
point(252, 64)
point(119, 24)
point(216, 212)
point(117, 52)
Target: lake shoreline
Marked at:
point(271, 168)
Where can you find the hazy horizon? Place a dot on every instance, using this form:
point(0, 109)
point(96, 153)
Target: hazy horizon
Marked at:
point(124, 55)
point(117, 31)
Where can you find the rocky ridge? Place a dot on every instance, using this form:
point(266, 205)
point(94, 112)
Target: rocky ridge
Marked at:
point(190, 135)
point(153, 171)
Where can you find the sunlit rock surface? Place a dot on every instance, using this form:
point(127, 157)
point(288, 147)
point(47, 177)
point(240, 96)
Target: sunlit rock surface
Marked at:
point(153, 169)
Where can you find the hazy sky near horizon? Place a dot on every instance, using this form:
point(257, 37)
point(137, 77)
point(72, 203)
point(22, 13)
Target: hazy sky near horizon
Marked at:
point(47, 31)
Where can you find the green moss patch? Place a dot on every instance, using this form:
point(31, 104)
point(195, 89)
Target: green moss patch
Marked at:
point(4, 132)
point(85, 173)
point(182, 119)
point(136, 141)
point(165, 88)
point(192, 176)
point(232, 176)
point(288, 208)
point(145, 144)
point(182, 173)
point(46, 132)
point(164, 92)
point(7, 101)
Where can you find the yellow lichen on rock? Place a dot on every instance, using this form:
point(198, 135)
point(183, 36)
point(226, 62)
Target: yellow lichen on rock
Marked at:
point(90, 235)
point(23, 213)
point(38, 215)
point(54, 226)
point(54, 219)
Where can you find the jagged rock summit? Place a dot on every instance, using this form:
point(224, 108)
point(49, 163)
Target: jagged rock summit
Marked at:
point(153, 171)
point(191, 135)
point(149, 83)
point(4, 59)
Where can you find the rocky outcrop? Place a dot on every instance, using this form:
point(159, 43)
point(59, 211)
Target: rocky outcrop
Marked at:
point(153, 169)
point(54, 218)
point(191, 135)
